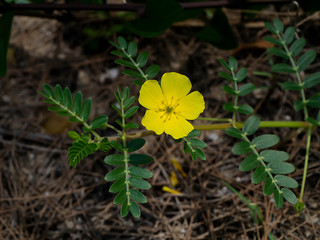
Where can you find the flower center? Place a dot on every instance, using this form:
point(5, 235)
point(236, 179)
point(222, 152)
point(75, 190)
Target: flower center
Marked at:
point(169, 109)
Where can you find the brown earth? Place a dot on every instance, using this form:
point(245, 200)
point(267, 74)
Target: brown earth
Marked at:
point(41, 197)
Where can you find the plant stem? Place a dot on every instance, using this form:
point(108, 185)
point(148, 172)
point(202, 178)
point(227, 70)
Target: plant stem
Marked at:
point(305, 164)
point(215, 119)
point(222, 126)
point(135, 64)
point(234, 115)
point(125, 151)
point(97, 136)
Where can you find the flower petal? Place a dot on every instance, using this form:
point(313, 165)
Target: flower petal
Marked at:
point(153, 122)
point(177, 127)
point(151, 95)
point(191, 106)
point(175, 85)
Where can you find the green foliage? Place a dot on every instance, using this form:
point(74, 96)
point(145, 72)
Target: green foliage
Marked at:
point(77, 110)
point(219, 32)
point(236, 77)
point(193, 145)
point(79, 150)
point(128, 53)
point(128, 179)
point(267, 162)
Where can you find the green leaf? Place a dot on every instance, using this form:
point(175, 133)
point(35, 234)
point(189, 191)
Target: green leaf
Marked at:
point(259, 175)
point(128, 102)
point(218, 32)
point(233, 63)
point(115, 174)
point(278, 199)
point(122, 43)
point(138, 82)
point(226, 76)
point(118, 53)
point(241, 75)
point(245, 109)
point(249, 163)
point(246, 89)
point(99, 122)
point(142, 59)
point(268, 187)
point(137, 196)
point(157, 17)
point(117, 186)
point(273, 40)
point(135, 144)
point(125, 63)
point(289, 195)
point(281, 167)
point(114, 160)
point(124, 209)
point(139, 183)
point(86, 108)
point(306, 59)
point(79, 150)
point(121, 197)
point(311, 80)
point(130, 111)
point(194, 133)
point(193, 155)
point(270, 27)
point(132, 73)
point(241, 148)
point(291, 86)
point(228, 107)
point(116, 145)
point(229, 90)
point(132, 49)
point(58, 94)
point(5, 32)
point(274, 156)
point(288, 35)
point(313, 121)
point(278, 52)
point(67, 98)
point(224, 64)
point(73, 135)
point(77, 103)
point(234, 132)
point(131, 125)
point(265, 141)
point(298, 105)
point(282, 68)
point(286, 181)
point(314, 101)
point(297, 46)
point(186, 148)
point(278, 25)
point(200, 154)
point(197, 143)
point(251, 125)
point(152, 71)
point(140, 172)
point(140, 159)
point(126, 93)
point(134, 209)
point(48, 89)
point(104, 145)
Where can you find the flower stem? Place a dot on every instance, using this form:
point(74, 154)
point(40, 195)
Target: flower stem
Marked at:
point(215, 119)
point(304, 177)
point(135, 64)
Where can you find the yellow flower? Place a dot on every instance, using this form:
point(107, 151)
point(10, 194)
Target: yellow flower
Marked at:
point(169, 106)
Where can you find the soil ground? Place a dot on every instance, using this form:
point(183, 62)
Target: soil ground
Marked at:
point(41, 197)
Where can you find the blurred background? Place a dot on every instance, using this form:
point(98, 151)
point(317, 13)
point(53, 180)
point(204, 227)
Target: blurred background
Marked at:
point(41, 197)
